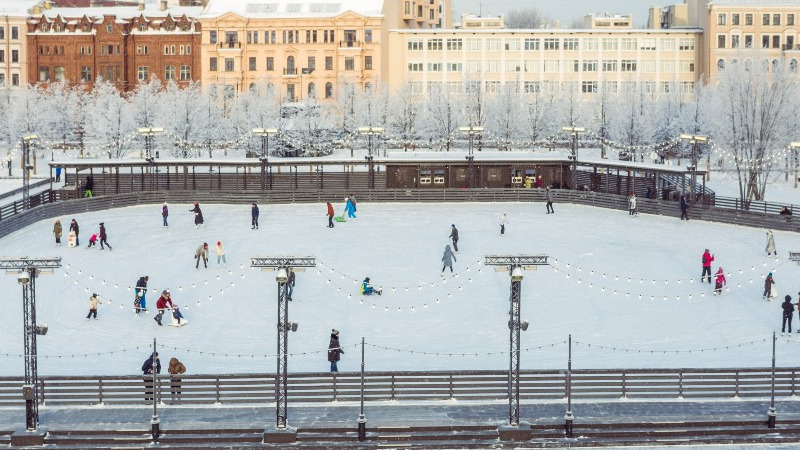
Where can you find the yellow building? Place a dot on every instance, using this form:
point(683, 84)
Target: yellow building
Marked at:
point(13, 42)
point(584, 60)
point(306, 47)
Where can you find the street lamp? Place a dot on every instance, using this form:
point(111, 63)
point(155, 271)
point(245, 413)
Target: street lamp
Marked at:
point(148, 134)
point(694, 139)
point(471, 131)
point(573, 132)
point(27, 166)
point(370, 131)
point(264, 133)
point(794, 146)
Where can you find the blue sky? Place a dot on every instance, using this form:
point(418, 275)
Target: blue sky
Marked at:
point(563, 10)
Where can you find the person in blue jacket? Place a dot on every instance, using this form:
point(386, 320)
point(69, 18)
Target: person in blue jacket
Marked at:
point(366, 289)
point(350, 209)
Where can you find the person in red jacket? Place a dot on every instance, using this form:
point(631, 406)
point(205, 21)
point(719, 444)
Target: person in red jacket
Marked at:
point(164, 302)
point(330, 215)
point(708, 258)
point(720, 281)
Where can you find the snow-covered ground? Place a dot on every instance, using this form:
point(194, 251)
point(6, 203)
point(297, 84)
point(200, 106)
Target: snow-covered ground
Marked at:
point(626, 286)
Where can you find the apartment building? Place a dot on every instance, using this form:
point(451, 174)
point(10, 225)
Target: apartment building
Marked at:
point(13, 45)
point(306, 47)
point(584, 60)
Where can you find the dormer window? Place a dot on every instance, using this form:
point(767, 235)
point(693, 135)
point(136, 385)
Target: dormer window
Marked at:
point(58, 28)
point(185, 27)
point(170, 27)
point(142, 27)
point(109, 28)
point(44, 27)
point(85, 28)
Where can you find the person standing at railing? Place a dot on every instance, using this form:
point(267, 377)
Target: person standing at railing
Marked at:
point(150, 368)
point(58, 174)
point(771, 245)
point(334, 350)
point(632, 204)
point(89, 187)
point(175, 368)
point(684, 207)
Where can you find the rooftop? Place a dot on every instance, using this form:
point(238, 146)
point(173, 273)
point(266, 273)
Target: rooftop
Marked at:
point(15, 7)
point(293, 8)
point(123, 12)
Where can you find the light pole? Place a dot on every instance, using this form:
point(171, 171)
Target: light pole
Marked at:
point(362, 419)
point(264, 133)
point(26, 168)
point(794, 146)
point(471, 131)
point(155, 422)
point(370, 131)
point(27, 270)
point(148, 134)
point(573, 132)
point(694, 140)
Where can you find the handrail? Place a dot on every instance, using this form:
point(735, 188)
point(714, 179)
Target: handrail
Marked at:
point(18, 191)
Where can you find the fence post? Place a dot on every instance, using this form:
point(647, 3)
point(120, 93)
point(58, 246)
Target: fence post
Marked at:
point(392, 387)
point(624, 385)
point(793, 373)
point(100, 388)
point(335, 390)
point(736, 380)
point(451, 386)
point(680, 384)
point(218, 391)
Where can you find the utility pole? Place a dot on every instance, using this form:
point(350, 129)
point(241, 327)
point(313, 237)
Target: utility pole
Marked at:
point(573, 132)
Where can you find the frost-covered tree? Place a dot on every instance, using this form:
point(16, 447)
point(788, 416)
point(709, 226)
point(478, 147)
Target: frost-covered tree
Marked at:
point(601, 117)
point(525, 18)
point(475, 105)
point(347, 108)
point(109, 119)
point(183, 119)
point(442, 116)
point(538, 113)
point(505, 116)
point(633, 125)
point(405, 107)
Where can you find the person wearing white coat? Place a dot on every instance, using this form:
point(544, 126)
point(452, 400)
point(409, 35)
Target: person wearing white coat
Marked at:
point(771, 244)
point(221, 254)
point(632, 204)
point(503, 223)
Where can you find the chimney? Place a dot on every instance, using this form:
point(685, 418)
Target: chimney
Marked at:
point(141, 5)
point(163, 5)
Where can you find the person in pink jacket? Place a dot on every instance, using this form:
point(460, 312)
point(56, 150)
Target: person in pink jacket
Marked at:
point(708, 258)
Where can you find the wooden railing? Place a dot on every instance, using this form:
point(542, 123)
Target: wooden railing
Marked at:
point(230, 389)
point(18, 191)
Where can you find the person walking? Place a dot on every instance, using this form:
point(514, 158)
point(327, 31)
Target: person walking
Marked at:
point(788, 312)
point(768, 283)
point(632, 204)
point(141, 293)
point(175, 368)
point(548, 197)
point(334, 350)
point(73, 226)
point(220, 250)
point(719, 281)
point(58, 174)
point(198, 216)
point(150, 368)
point(164, 214)
point(103, 237)
point(57, 232)
point(503, 223)
point(254, 217)
point(707, 259)
point(94, 300)
point(684, 208)
point(163, 304)
point(330, 215)
point(771, 244)
point(447, 259)
point(201, 253)
point(454, 236)
point(350, 209)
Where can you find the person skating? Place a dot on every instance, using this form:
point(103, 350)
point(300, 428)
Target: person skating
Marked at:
point(198, 216)
point(163, 304)
point(92, 240)
point(366, 289)
point(503, 223)
point(719, 281)
point(447, 259)
point(771, 244)
point(349, 209)
point(334, 350)
point(103, 237)
point(708, 258)
point(57, 232)
point(330, 215)
point(141, 293)
point(454, 236)
point(632, 204)
point(684, 208)
point(220, 250)
point(788, 312)
point(254, 216)
point(151, 367)
point(73, 226)
point(94, 300)
point(548, 198)
point(769, 282)
point(164, 214)
point(175, 368)
point(201, 253)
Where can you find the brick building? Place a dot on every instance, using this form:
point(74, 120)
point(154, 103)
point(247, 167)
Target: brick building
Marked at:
point(125, 45)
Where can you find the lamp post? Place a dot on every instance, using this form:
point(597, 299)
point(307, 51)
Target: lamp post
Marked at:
point(362, 419)
point(26, 168)
point(471, 131)
point(370, 131)
point(794, 146)
point(694, 140)
point(148, 134)
point(265, 169)
point(573, 132)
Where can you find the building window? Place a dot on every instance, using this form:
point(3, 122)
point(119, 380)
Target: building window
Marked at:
point(531, 44)
point(14, 33)
point(721, 19)
point(270, 63)
point(609, 65)
point(188, 49)
point(776, 19)
point(407, 8)
point(748, 41)
point(628, 65)
point(765, 19)
point(590, 66)
point(415, 67)
point(735, 19)
point(59, 74)
point(368, 63)
point(231, 38)
point(790, 20)
point(314, 36)
point(109, 28)
point(328, 63)
point(328, 90)
point(686, 44)
point(367, 35)
point(765, 41)
point(44, 74)
point(2, 33)
point(748, 19)
point(434, 44)
point(349, 63)
point(186, 73)
point(2, 56)
point(142, 73)
point(2, 79)
point(15, 79)
point(628, 44)
point(735, 41)
point(454, 44)
point(589, 87)
point(776, 41)
point(432, 67)
point(212, 64)
point(551, 43)
point(648, 44)
point(169, 73)
point(142, 27)
point(789, 42)
point(687, 66)
point(311, 64)
point(251, 63)
point(86, 74)
point(721, 41)
point(212, 37)
point(229, 64)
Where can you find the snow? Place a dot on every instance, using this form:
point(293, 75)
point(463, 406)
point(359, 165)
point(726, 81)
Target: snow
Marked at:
point(400, 245)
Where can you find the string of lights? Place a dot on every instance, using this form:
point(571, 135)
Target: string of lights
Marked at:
point(467, 270)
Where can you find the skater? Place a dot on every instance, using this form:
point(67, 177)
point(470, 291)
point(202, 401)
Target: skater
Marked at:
point(548, 197)
point(201, 253)
point(198, 216)
point(786, 211)
point(73, 226)
point(92, 240)
point(771, 244)
point(708, 258)
point(164, 214)
point(290, 285)
point(89, 187)
point(162, 304)
point(57, 232)
point(719, 281)
point(539, 182)
point(503, 223)
point(334, 350)
point(366, 289)
point(769, 282)
point(330, 215)
point(141, 293)
point(103, 237)
point(177, 315)
point(454, 236)
point(94, 300)
point(175, 368)
point(447, 259)
point(150, 368)
point(684, 208)
point(350, 209)
point(788, 312)
point(254, 217)
point(632, 204)
point(220, 254)
point(353, 202)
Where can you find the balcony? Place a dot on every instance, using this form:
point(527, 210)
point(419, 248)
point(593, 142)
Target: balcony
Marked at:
point(290, 72)
point(790, 48)
point(350, 44)
point(230, 45)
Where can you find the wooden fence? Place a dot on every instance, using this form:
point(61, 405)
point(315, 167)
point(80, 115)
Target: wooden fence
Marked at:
point(612, 384)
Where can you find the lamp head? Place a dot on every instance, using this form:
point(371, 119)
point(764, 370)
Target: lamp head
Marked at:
point(516, 274)
point(282, 276)
point(24, 278)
